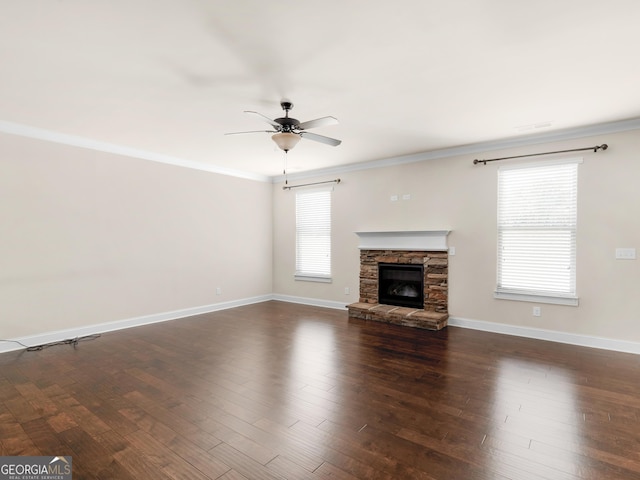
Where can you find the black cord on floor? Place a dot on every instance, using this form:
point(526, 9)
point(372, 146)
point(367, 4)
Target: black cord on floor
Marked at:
point(70, 341)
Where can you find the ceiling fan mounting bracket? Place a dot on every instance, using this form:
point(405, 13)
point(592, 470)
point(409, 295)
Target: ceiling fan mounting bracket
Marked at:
point(288, 124)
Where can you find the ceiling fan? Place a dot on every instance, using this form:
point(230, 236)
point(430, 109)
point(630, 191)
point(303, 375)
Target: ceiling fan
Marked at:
point(288, 131)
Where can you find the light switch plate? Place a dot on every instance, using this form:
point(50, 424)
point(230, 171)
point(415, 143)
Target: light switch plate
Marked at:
point(625, 253)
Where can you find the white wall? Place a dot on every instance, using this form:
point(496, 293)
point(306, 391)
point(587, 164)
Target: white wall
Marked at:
point(452, 193)
point(90, 237)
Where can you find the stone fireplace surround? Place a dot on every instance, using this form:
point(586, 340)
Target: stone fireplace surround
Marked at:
point(428, 248)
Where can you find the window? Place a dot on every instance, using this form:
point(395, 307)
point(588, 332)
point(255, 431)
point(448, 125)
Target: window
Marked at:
point(313, 235)
point(537, 218)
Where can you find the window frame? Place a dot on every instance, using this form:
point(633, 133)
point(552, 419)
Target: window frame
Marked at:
point(534, 294)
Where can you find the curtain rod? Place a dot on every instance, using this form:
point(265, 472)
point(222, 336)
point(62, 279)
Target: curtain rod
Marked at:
point(604, 146)
point(289, 187)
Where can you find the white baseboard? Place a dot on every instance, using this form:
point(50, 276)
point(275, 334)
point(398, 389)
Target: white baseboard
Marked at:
point(315, 302)
point(550, 335)
point(528, 332)
point(534, 333)
point(61, 335)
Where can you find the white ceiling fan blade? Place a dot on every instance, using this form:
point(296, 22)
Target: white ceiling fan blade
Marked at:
point(321, 138)
point(262, 117)
point(318, 122)
point(252, 131)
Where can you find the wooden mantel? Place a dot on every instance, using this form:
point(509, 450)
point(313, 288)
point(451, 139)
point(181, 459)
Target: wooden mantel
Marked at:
point(413, 240)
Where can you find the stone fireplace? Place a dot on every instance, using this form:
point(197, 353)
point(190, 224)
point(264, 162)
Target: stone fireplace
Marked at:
point(423, 251)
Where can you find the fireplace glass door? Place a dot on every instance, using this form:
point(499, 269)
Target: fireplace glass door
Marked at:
point(401, 284)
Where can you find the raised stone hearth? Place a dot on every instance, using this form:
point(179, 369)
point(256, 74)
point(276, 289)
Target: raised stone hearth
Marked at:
point(407, 317)
point(432, 254)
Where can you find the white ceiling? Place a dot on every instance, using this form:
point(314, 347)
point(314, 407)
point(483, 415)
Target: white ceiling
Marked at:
point(170, 77)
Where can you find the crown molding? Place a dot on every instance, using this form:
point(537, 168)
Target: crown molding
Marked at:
point(81, 142)
point(520, 141)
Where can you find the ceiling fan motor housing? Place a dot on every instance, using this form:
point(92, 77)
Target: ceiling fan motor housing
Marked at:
point(288, 124)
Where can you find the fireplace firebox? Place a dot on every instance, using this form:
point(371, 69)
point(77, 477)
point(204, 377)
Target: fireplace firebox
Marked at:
point(401, 285)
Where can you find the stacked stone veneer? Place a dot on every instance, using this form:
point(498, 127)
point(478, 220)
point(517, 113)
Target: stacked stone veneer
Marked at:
point(436, 272)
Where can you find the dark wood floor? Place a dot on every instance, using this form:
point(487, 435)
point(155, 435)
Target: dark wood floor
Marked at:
point(276, 390)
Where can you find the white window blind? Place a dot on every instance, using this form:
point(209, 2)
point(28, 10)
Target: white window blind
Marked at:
point(537, 219)
point(313, 235)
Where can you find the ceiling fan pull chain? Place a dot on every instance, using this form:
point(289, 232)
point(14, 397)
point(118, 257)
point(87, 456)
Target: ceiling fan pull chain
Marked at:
point(284, 170)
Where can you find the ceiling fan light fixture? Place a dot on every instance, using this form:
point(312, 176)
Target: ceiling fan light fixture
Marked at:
point(286, 140)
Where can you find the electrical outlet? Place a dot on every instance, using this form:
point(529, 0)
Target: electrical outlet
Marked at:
point(536, 311)
point(218, 291)
point(452, 251)
point(346, 290)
